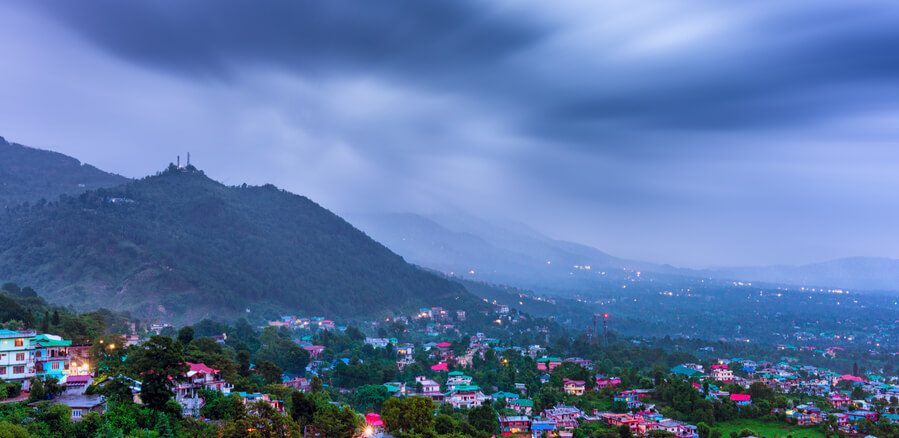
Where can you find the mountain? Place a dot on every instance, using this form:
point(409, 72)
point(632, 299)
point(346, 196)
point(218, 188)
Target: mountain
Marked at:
point(508, 253)
point(513, 254)
point(181, 247)
point(29, 175)
point(854, 273)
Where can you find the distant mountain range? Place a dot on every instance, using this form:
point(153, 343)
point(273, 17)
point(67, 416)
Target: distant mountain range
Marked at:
point(29, 175)
point(514, 254)
point(180, 246)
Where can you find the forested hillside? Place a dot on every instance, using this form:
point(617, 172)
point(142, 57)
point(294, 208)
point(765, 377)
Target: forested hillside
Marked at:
point(183, 247)
point(29, 175)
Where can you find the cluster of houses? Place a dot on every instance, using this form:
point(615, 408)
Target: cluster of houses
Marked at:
point(26, 354)
point(787, 377)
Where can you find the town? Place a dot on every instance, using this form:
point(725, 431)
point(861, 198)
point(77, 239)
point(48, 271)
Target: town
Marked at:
point(422, 374)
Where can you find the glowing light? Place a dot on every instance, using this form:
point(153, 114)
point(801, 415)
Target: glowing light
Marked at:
point(369, 431)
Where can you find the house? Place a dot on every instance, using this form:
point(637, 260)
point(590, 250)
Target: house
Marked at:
point(429, 388)
point(741, 399)
point(456, 378)
point(250, 398)
point(504, 395)
point(861, 415)
point(314, 350)
point(722, 373)
point(299, 383)
point(377, 342)
point(51, 356)
point(198, 377)
point(514, 424)
point(678, 428)
point(839, 400)
point(548, 363)
point(396, 389)
point(565, 417)
point(522, 406)
point(539, 427)
point(77, 384)
point(603, 382)
point(81, 404)
point(686, 371)
point(575, 387)
point(16, 363)
point(585, 363)
point(465, 396)
point(631, 398)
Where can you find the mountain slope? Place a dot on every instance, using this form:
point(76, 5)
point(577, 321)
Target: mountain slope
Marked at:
point(864, 273)
point(29, 175)
point(179, 245)
point(501, 253)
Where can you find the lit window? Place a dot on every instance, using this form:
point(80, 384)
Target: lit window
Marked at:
point(20, 342)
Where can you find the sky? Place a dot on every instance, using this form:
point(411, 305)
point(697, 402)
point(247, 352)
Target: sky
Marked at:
point(695, 133)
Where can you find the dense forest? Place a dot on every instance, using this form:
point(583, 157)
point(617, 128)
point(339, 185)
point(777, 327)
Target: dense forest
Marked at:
point(181, 246)
point(29, 175)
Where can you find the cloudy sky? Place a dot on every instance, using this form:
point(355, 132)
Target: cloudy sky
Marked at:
point(696, 133)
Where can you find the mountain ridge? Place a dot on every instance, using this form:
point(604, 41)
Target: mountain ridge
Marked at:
point(178, 245)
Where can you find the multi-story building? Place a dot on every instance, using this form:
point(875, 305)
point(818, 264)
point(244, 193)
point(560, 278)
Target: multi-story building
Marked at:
point(16, 363)
point(51, 356)
point(465, 396)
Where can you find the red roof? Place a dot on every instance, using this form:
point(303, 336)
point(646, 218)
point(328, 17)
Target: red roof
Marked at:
point(740, 397)
point(201, 368)
point(440, 367)
point(77, 380)
point(715, 367)
point(851, 378)
point(373, 419)
point(444, 345)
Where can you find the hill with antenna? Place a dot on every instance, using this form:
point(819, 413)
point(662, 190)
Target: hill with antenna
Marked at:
point(181, 247)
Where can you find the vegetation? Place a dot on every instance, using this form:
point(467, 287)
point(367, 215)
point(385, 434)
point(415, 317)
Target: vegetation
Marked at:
point(32, 175)
point(179, 245)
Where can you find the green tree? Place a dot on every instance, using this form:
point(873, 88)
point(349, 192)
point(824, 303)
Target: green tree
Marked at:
point(156, 360)
point(370, 398)
point(185, 335)
point(302, 408)
point(444, 424)
point(484, 418)
point(37, 392)
point(269, 372)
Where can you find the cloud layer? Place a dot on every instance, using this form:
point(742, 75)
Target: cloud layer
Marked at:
point(693, 133)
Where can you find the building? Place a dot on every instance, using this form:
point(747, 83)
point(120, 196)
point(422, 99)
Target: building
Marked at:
point(575, 387)
point(603, 382)
point(465, 396)
point(522, 406)
point(514, 424)
point(548, 363)
point(565, 417)
point(51, 356)
point(722, 373)
point(16, 363)
point(81, 404)
point(839, 400)
point(198, 377)
point(250, 398)
point(429, 388)
point(456, 378)
point(741, 399)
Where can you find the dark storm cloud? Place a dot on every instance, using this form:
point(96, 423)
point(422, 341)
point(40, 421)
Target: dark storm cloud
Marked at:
point(688, 132)
point(777, 72)
point(213, 37)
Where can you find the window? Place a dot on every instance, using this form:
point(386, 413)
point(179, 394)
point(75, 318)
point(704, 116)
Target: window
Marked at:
point(55, 365)
point(76, 413)
point(20, 342)
point(2, 371)
point(18, 370)
point(20, 357)
point(37, 353)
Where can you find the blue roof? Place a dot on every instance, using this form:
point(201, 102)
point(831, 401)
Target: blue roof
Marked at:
point(8, 332)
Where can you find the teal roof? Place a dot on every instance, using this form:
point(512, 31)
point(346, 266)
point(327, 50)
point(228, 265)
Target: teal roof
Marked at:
point(689, 372)
point(522, 402)
point(502, 394)
point(549, 359)
point(5, 332)
point(456, 373)
point(392, 388)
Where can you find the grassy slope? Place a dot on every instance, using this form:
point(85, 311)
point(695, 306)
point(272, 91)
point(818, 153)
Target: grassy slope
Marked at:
point(769, 429)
